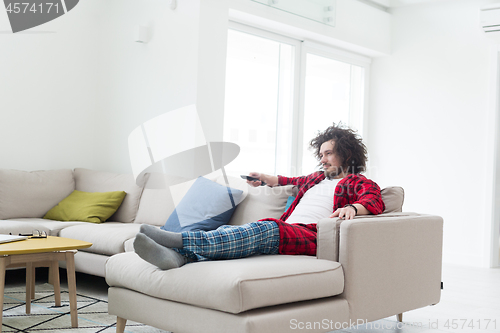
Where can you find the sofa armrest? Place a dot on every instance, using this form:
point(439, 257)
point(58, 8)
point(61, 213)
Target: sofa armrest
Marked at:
point(329, 231)
point(391, 264)
point(328, 239)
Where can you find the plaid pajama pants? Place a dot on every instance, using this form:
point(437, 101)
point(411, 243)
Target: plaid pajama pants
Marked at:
point(231, 242)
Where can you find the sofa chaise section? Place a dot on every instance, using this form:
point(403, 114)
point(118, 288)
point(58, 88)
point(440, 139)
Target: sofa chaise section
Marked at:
point(235, 291)
point(186, 318)
point(232, 286)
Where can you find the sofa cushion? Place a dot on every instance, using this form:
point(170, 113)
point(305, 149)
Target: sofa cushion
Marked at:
point(262, 202)
point(99, 181)
point(32, 194)
point(393, 198)
point(232, 286)
point(107, 238)
point(95, 207)
point(155, 207)
point(129, 245)
point(18, 226)
point(206, 206)
point(158, 204)
point(27, 225)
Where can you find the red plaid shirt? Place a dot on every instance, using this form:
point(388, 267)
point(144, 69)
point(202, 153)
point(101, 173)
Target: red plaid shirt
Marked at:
point(299, 238)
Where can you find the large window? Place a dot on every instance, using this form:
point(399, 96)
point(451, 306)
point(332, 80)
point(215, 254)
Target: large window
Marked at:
point(280, 92)
point(333, 92)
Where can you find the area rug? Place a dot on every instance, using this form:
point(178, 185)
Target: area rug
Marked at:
point(46, 317)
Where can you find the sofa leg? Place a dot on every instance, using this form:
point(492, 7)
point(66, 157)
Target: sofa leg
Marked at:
point(400, 317)
point(120, 324)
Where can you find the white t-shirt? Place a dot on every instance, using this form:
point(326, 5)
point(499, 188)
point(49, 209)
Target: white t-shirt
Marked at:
point(316, 204)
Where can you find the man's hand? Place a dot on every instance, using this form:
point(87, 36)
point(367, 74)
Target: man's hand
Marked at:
point(346, 213)
point(270, 180)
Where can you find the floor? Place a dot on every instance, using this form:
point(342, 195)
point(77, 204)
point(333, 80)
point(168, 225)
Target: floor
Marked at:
point(470, 302)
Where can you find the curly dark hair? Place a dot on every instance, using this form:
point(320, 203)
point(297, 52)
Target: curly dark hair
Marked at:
point(349, 147)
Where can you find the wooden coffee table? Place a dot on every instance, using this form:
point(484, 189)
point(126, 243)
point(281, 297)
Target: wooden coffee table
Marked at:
point(42, 252)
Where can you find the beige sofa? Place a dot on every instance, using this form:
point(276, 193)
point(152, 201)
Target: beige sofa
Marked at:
point(25, 197)
point(366, 269)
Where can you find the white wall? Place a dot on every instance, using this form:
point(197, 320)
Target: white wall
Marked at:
point(140, 81)
point(431, 125)
point(71, 97)
point(48, 92)
point(182, 64)
point(211, 77)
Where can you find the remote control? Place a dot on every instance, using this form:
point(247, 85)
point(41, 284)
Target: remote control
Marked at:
point(252, 179)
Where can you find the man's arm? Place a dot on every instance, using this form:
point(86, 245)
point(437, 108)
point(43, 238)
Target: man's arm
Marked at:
point(360, 192)
point(268, 179)
point(281, 180)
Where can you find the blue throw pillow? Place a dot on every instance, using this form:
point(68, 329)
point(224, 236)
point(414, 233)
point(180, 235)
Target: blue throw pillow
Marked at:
point(289, 202)
point(206, 206)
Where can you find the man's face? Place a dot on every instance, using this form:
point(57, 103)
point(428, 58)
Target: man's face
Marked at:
point(332, 164)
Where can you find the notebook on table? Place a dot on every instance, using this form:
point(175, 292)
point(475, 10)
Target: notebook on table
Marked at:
point(11, 238)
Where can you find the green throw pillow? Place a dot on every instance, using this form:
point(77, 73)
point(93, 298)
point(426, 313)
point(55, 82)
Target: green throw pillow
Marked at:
point(95, 207)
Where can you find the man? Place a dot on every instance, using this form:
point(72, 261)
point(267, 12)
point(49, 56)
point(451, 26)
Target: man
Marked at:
point(337, 191)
